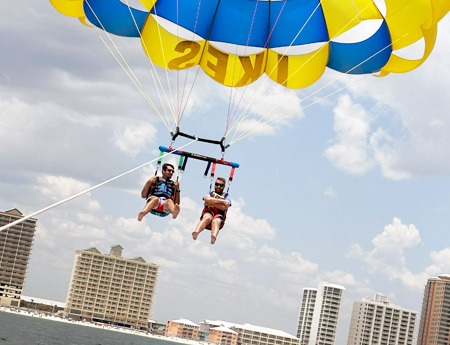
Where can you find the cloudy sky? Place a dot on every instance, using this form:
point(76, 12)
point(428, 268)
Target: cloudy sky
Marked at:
point(352, 190)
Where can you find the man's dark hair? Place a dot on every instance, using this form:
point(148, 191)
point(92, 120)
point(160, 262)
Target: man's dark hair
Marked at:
point(165, 165)
point(221, 179)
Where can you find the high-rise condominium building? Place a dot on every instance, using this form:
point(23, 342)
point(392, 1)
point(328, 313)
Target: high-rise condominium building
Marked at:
point(15, 249)
point(435, 318)
point(319, 313)
point(376, 321)
point(108, 288)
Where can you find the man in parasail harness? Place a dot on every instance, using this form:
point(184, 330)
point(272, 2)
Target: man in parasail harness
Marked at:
point(162, 194)
point(215, 211)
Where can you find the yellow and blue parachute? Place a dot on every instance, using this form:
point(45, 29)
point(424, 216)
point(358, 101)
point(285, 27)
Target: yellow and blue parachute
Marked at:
point(292, 41)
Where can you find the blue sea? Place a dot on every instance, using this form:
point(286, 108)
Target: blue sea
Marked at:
point(25, 330)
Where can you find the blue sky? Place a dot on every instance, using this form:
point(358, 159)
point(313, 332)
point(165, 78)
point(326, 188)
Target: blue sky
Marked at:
point(352, 190)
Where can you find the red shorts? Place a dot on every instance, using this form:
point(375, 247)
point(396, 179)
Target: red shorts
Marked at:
point(216, 215)
point(160, 210)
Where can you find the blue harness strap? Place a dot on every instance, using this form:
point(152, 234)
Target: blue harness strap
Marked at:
point(158, 213)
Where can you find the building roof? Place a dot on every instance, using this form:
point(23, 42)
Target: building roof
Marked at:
point(218, 323)
point(381, 300)
point(224, 329)
point(323, 283)
point(266, 330)
point(92, 249)
point(251, 327)
point(138, 258)
point(14, 212)
point(186, 322)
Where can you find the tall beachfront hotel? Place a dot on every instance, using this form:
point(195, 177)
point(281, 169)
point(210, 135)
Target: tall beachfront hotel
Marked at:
point(319, 314)
point(15, 249)
point(434, 326)
point(377, 321)
point(110, 289)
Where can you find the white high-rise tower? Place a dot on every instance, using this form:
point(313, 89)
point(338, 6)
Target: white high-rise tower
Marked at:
point(319, 314)
point(377, 321)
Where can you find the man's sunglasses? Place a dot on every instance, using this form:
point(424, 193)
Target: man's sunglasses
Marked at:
point(169, 170)
point(220, 185)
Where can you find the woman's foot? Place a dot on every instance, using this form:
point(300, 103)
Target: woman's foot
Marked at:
point(194, 235)
point(213, 239)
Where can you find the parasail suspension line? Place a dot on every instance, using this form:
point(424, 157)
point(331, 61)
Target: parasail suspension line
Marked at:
point(18, 221)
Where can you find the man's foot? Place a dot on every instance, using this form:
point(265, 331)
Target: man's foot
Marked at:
point(213, 239)
point(141, 215)
point(176, 210)
point(194, 235)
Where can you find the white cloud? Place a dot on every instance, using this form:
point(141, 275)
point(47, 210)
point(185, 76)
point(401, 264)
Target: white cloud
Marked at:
point(441, 262)
point(291, 266)
point(330, 192)
point(357, 148)
point(388, 254)
point(245, 225)
point(350, 151)
point(134, 138)
point(129, 228)
point(57, 188)
point(256, 127)
point(386, 155)
point(414, 133)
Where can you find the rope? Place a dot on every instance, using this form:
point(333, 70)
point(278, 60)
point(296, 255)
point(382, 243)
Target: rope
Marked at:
point(272, 121)
point(86, 191)
point(131, 74)
point(138, 85)
point(170, 105)
point(244, 116)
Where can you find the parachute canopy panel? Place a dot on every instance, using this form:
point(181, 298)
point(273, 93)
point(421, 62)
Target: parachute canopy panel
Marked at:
point(236, 41)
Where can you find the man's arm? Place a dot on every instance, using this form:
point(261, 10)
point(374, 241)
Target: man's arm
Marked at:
point(176, 197)
point(221, 204)
point(147, 187)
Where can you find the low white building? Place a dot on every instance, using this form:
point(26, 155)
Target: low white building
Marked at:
point(249, 334)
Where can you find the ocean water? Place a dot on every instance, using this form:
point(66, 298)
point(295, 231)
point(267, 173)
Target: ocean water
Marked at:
point(24, 330)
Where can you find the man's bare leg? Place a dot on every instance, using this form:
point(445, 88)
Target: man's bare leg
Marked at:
point(176, 211)
point(206, 219)
point(148, 207)
point(215, 229)
point(173, 208)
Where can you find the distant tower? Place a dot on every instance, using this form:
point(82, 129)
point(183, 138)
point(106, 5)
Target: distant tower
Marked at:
point(108, 288)
point(435, 317)
point(319, 314)
point(15, 250)
point(377, 321)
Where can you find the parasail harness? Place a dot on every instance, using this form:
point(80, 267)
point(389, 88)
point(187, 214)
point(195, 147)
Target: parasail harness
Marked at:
point(211, 161)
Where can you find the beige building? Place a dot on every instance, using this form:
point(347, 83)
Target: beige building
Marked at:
point(223, 336)
point(377, 321)
point(248, 334)
point(15, 249)
point(182, 328)
point(435, 318)
point(108, 288)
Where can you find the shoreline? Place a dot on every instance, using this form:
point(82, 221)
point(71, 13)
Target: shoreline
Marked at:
point(104, 327)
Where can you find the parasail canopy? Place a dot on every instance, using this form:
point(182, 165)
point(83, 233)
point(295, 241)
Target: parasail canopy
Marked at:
point(292, 41)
